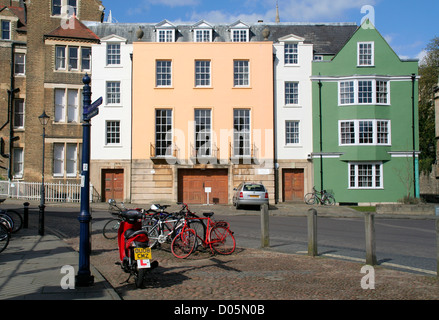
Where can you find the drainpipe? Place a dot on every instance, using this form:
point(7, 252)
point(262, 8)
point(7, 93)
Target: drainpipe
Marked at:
point(414, 135)
point(276, 165)
point(321, 136)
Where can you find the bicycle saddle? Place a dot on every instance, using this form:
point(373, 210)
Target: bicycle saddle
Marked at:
point(208, 214)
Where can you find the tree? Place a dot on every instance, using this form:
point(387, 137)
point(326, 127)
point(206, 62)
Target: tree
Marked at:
point(429, 73)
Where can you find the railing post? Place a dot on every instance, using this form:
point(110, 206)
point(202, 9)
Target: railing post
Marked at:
point(369, 223)
point(265, 237)
point(312, 232)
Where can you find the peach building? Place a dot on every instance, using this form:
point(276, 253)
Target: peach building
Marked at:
point(202, 120)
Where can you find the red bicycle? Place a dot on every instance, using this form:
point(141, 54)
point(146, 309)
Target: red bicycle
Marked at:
point(185, 240)
point(217, 236)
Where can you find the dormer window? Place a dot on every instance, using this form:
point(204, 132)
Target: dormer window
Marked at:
point(6, 29)
point(239, 32)
point(165, 32)
point(202, 32)
point(70, 7)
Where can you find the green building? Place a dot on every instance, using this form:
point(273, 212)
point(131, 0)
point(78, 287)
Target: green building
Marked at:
point(365, 122)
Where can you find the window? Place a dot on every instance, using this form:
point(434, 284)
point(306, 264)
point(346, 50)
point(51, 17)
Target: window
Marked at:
point(240, 35)
point(291, 93)
point(347, 95)
point(364, 92)
point(113, 54)
point(165, 35)
point(365, 176)
point(60, 58)
point(112, 132)
point(57, 7)
point(241, 133)
point(163, 73)
point(73, 58)
point(65, 159)
point(292, 132)
point(202, 73)
point(67, 106)
point(18, 163)
point(291, 53)
point(381, 92)
point(19, 64)
point(203, 35)
point(6, 29)
point(163, 132)
point(203, 126)
point(18, 114)
point(241, 73)
point(365, 54)
point(85, 58)
point(364, 132)
point(113, 92)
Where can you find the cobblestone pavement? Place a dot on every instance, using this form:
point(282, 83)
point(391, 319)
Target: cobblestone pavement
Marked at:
point(252, 274)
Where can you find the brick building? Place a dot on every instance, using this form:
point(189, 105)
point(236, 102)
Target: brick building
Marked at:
point(50, 50)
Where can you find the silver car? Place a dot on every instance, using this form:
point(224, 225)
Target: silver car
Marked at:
point(250, 193)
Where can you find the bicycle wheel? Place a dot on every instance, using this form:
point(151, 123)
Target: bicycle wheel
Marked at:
point(111, 228)
point(200, 230)
point(5, 235)
point(329, 200)
point(184, 243)
point(18, 220)
point(152, 227)
point(310, 198)
point(222, 240)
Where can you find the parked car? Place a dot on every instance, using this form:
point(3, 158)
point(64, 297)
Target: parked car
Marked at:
point(250, 193)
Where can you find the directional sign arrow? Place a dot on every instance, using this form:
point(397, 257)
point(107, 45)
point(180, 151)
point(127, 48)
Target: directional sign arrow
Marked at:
point(93, 109)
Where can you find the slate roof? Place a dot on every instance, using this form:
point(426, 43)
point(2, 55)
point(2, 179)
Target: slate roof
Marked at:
point(327, 38)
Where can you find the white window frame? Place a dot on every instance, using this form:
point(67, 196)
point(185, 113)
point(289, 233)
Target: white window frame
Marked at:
point(353, 175)
point(113, 134)
point(245, 132)
point(113, 94)
point(292, 94)
point(356, 92)
point(64, 8)
point(241, 76)
point(20, 114)
point(291, 55)
point(62, 161)
point(202, 35)
point(360, 54)
point(22, 62)
point(203, 136)
point(63, 62)
point(18, 162)
point(162, 76)
point(240, 35)
point(293, 135)
point(203, 73)
point(375, 134)
point(113, 54)
point(65, 111)
point(168, 136)
point(165, 35)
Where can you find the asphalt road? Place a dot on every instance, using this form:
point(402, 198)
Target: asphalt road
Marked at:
point(407, 244)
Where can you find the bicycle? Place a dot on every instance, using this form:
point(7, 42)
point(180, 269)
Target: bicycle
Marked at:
point(217, 236)
point(5, 235)
point(161, 225)
point(185, 240)
point(13, 216)
point(319, 197)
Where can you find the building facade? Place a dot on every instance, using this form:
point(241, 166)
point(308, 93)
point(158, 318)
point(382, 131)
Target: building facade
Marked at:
point(365, 121)
point(52, 53)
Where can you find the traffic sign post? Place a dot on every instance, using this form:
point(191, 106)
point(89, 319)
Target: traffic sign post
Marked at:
point(84, 277)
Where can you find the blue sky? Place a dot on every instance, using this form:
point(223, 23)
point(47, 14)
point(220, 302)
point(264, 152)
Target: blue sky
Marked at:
point(407, 25)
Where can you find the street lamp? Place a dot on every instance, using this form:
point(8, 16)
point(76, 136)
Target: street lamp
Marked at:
point(44, 119)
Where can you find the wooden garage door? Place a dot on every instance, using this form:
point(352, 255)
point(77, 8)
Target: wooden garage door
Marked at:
point(293, 184)
point(192, 184)
point(112, 185)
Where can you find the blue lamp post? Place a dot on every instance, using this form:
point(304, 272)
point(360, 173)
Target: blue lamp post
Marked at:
point(84, 277)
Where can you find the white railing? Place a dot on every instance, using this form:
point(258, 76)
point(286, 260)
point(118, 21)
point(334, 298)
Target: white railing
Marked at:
point(54, 192)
